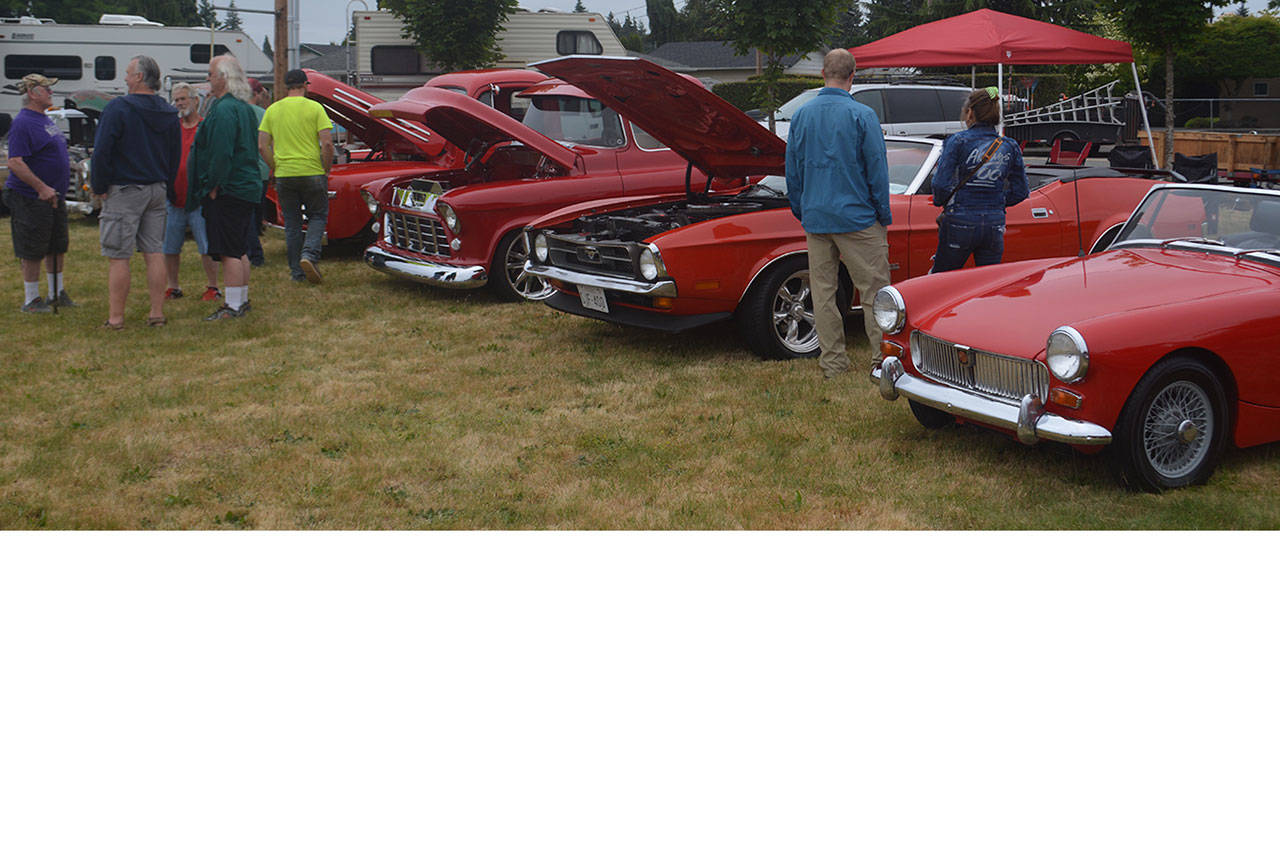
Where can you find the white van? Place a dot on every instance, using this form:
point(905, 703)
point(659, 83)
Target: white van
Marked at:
point(904, 109)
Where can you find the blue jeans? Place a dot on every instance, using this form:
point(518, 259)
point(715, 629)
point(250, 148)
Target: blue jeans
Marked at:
point(294, 195)
point(961, 234)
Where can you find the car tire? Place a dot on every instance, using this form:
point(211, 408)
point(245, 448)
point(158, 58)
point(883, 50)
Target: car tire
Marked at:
point(507, 278)
point(1172, 429)
point(929, 417)
point(775, 318)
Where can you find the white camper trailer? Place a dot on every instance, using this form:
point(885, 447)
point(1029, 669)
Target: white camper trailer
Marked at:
point(93, 57)
point(388, 64)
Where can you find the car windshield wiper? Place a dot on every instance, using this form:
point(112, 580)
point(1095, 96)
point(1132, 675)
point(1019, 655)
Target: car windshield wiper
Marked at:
point(765, 187)
point(1208, 241)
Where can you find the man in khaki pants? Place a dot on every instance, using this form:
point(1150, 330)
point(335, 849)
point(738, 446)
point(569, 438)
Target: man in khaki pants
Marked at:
point(838, 183)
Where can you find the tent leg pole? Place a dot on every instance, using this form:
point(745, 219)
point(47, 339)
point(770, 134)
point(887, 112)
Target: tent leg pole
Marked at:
point(1142, 102)
point(1000, 102)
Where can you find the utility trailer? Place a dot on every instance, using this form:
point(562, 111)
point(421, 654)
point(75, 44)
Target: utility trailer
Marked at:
point(1098, 116)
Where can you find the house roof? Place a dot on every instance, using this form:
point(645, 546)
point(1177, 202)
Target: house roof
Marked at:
point(709, 55)
point(328, 59)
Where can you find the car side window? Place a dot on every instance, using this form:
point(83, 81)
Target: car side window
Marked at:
point(644, 140)
point(906, 106)
point(952, 103)
point(873, 99)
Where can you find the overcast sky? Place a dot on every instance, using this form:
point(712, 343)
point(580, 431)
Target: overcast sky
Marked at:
point(324, 21)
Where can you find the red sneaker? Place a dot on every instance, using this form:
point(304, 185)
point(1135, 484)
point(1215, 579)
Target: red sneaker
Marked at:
point(173, 293)
point(210, 294)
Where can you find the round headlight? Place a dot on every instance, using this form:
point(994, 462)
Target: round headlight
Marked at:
point(541, 249)
point(888, 310)
point(648, 264)
point(450, 218)
point(370, 201)
point(1066, 354)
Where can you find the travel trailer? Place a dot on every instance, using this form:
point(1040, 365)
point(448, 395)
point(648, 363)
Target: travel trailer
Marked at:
point(388, 65)
point(93, 57)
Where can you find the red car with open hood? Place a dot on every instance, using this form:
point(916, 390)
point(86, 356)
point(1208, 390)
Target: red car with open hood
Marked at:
point(678, 262)
point(462, 228)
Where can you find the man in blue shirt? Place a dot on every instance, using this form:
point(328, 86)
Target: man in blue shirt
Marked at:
point(838, 184)
point(39, 173)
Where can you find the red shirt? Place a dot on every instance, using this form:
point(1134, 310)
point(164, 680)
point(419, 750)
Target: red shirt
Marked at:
point(180, 182)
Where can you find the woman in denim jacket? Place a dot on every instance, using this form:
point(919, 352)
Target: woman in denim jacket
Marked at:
point(972, 220)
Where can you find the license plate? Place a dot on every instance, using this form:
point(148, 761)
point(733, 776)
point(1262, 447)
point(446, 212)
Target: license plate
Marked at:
point(593, 298)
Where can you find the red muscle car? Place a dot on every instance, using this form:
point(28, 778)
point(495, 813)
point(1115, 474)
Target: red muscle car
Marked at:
point(675, 263)
point(462, 228)
point(377, 148)
point(1165, 346)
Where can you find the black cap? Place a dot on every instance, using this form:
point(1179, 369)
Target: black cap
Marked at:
point(295, 77)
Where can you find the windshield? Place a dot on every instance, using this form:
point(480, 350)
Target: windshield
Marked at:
point(580, 121)
point(787, 110)
point(1196, 218)
point(907, 159)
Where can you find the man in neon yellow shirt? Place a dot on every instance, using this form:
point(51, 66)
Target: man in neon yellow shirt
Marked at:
point(295, 139)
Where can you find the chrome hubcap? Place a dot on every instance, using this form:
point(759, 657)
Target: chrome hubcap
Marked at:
point(528, 286)
point(1178, 429)
point(793, 314)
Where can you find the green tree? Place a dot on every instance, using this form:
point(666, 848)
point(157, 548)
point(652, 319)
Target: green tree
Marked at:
point(173, 13)
point(699, 20)
point(579, 6)
point(630, 32)
point(454, 33)
point(849, 29)
point(1163, 27)
point(206, 14)
point(664, 21)
point(777, 28)
point(1230, 51)
point(232, 20)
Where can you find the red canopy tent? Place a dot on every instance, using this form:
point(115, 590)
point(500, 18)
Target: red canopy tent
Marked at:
point(985, 37)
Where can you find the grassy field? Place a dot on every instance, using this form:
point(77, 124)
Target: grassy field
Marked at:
point(368, 403)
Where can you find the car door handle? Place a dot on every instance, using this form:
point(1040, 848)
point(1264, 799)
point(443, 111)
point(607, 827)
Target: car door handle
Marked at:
point(1040, 213)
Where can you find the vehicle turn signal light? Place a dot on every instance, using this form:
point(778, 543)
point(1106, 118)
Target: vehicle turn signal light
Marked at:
point(892, 348)
point(1066, 399)
point(663, 302)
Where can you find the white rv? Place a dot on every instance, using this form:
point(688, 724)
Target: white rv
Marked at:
point(93, 57)
point(387, 64)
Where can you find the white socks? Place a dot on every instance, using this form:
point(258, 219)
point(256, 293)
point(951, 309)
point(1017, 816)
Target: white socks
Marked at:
point(55, 284)
point(236, 296)
point(31, 290)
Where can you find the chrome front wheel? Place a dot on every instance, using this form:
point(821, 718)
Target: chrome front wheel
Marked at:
point(776, 316)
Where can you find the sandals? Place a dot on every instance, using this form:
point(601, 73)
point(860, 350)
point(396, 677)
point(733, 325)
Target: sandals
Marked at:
point(115, 327)
point(155, 321)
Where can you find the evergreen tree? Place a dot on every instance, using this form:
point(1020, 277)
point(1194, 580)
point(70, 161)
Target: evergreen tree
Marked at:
point(454, 33)
point(232, 20)
point(266, 48)
point(206, 14)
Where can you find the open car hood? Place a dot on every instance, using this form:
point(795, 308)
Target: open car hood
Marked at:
point(462, 121)
point(697, 124)
point(349, 107)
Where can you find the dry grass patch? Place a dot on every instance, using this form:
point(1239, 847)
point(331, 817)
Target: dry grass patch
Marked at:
point(367, 403)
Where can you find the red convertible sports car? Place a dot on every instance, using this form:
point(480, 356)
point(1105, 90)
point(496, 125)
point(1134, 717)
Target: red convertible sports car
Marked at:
point(1164, 346)
point(675, 263)
point(378, 148)
point(462, 228)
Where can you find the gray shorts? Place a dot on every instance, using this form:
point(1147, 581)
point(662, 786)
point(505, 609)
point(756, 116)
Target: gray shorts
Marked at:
point(132, 218)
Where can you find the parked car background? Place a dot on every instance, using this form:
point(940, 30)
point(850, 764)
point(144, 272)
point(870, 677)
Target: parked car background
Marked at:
point(1164, 347)
point(904, 109)
point(377, 148)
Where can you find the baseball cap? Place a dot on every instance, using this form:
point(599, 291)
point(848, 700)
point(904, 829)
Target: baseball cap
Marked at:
point(33, 80)
point(295, 77)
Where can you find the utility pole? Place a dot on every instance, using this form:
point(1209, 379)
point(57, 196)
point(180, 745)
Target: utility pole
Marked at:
point(280, 58)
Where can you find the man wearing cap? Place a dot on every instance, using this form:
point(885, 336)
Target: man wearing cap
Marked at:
point(134, 167)
point(35, 191)
point(296, 139)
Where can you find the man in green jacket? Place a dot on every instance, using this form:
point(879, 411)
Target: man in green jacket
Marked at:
point(223, 179)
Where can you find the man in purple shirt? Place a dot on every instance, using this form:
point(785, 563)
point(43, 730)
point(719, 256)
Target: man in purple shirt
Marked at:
point(39, 173)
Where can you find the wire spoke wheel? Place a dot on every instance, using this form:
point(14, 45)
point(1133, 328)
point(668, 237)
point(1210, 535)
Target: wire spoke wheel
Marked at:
point(1178, 429)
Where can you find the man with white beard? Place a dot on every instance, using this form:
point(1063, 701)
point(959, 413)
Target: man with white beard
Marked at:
point(179, 220)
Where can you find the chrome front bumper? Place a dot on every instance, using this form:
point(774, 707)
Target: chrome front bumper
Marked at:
point(1027, 418)
point(439, 275)
point(664, 287)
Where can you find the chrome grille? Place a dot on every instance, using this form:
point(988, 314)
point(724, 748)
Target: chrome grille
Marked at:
point(585, 255)
point(976, 370)
point(422, 234)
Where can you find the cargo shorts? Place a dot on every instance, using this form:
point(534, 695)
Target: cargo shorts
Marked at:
point(132, 219)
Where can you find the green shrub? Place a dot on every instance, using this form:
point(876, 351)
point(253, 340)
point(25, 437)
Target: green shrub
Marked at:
point(750, 95)
point(1200, 121)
